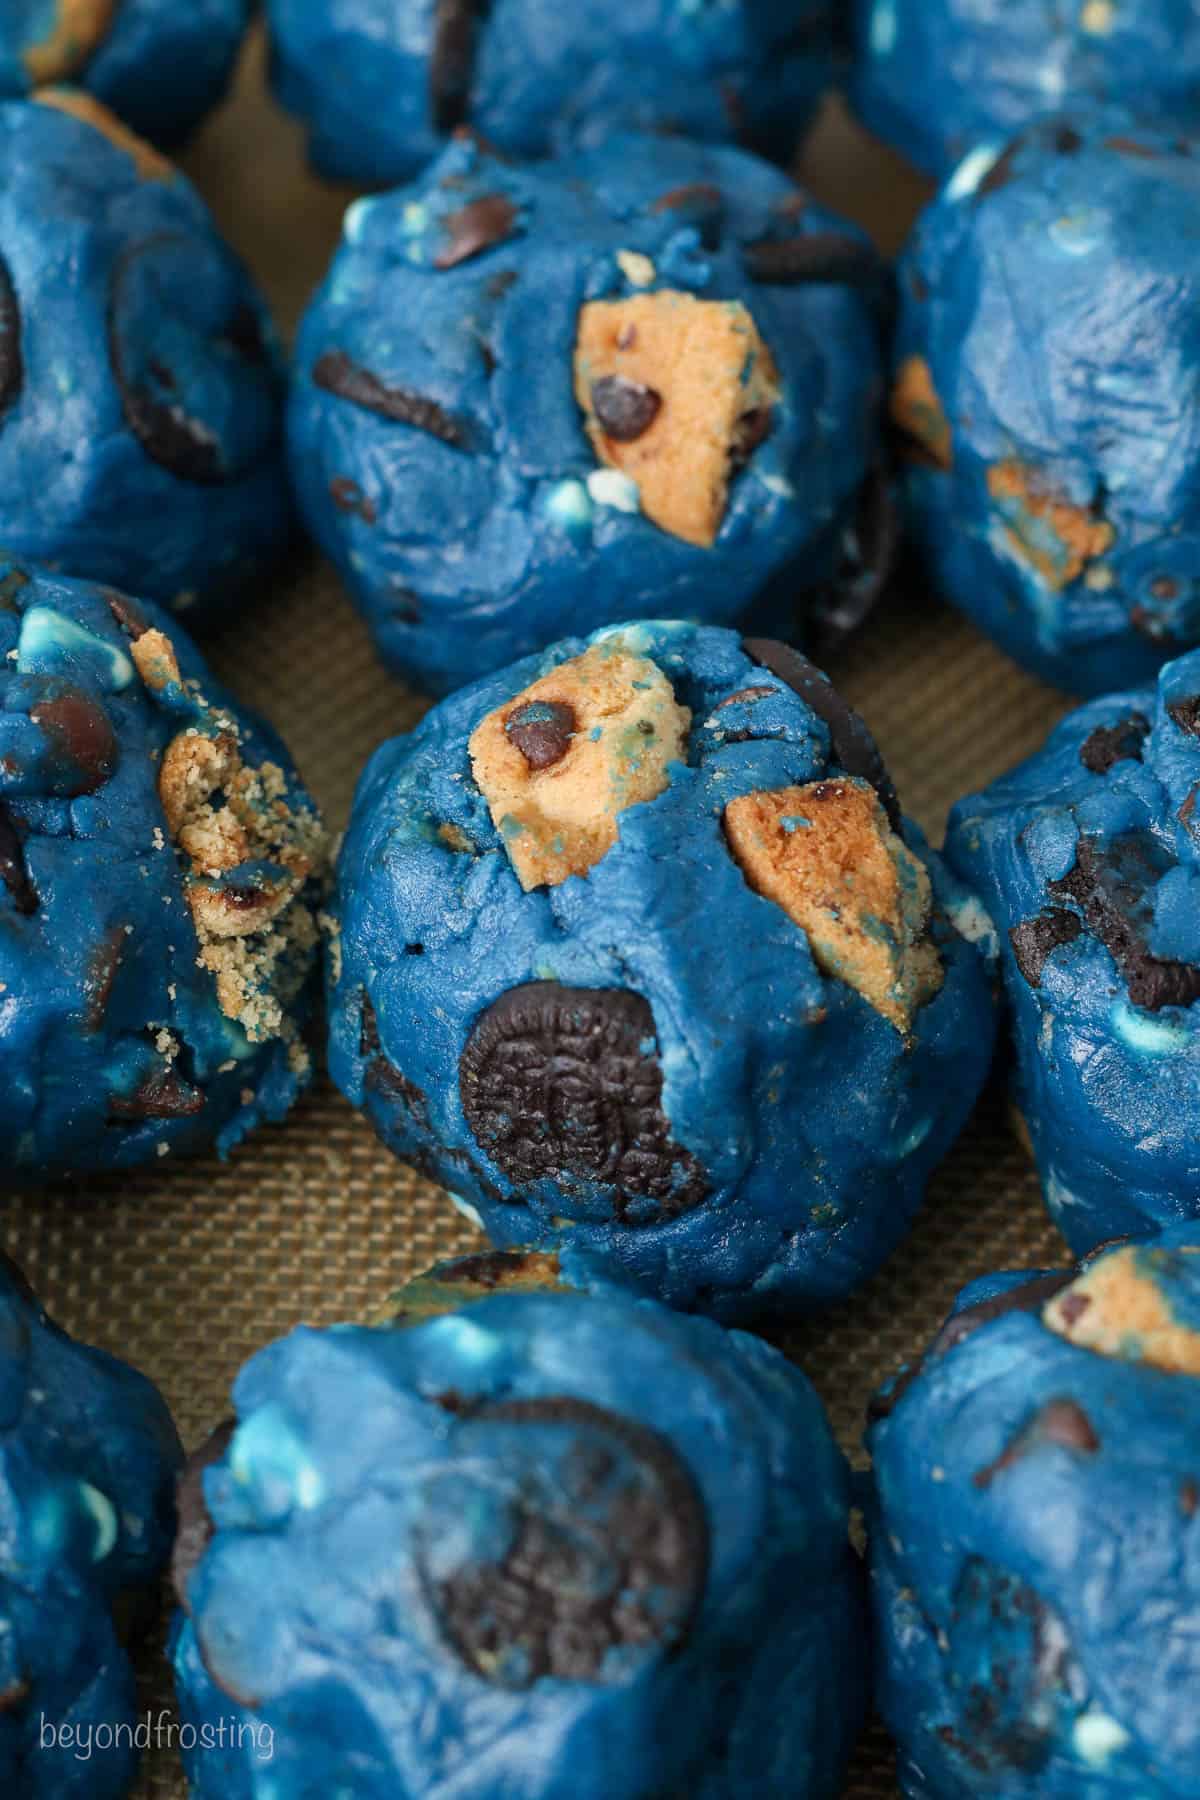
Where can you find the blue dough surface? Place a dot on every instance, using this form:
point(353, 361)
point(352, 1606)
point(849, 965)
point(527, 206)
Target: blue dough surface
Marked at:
point(1033, 1546)
point(1046, 362)
point(451, 478)
point(159, 65)
point(936, 78)
point(88, 1459)
point(115, 1046)
point(141, 399)
point(797, 1126)
point(1087, 858)
point(381, 83)
point(551, 1546)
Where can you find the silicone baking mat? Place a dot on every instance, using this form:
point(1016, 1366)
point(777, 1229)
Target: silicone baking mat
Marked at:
point(186, 1271)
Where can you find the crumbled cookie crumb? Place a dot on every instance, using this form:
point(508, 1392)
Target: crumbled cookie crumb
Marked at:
point(917, 410)
point(676, 393)
point(1057, 537)
point(1116, 1309)
point(559, 762)
point(826, 854)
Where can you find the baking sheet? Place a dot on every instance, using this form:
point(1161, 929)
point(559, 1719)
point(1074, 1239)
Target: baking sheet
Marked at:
point(186, 1271)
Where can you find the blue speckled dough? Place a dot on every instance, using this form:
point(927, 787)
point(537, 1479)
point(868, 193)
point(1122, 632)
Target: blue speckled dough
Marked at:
point(550, 1547)
point(88, 1456)
point(767, 1133)
point(380, 83)
point(438, 447)
point(141, 402)
point(1087, 858)
point(1033, 1534)
point(1047, 363)
point(161, 66)
point(159, 869)
point(936, 78)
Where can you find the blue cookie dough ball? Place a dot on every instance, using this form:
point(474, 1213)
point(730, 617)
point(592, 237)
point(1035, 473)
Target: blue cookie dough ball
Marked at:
point(88, 1458)
point(141, 401)
point(552, 1545)
point(936, 78)
point(1033, 1530)
point(160, 867)
point(1046, 365)
point(382, 83)
point(636, 954)
point(478, 331)
point(1088, 860)
point(159, 65)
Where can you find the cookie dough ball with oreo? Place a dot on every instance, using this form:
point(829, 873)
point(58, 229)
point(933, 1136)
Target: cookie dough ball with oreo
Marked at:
point(645, 378)
point(549, 1545)
point(938, 78)
point(160, 871)
point(1088, 859)
point(381, 84)
point(141, 398)
point(637, 954)
point(161, 67)
point(88, 1461)
point(1045, 372)
point(1033, 1529)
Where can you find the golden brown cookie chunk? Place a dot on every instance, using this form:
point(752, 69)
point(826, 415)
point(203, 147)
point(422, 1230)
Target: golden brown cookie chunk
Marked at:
point(677, 393)
point(79, 28)
point(255, 936)
point(1057, 537)
point(559, 762)
point(1115, 1309)
point(149, 164)
point(826, 854)
point(917, 409)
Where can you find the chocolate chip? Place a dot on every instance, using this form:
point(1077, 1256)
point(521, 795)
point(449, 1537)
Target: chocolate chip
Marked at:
point(821, 256)
point(487, 1269)
point(195, 1526)
point(606, 1547)
point(81, 738)
point(752, 430)
point(1111, 744)
point(698, 204)
point(1072, 1308)
point(1035, 939)
point(1060, 1422)
point(542, 730)
point(1030, 1297)
point(564, 1084)
point(12, 362)
point(854, 749)
point(625, 410)
point(348, 497)
point(1112, 888)
point(452, 59)
point(1127, 146)
point(184, 446)
point(479, 226)
point(13, 872)
point(1186, 714)
point(162, 1095)
point(338, 374)
point(1067, 140)
point(101, 973)
point(128, 615)
point(1189, 1498)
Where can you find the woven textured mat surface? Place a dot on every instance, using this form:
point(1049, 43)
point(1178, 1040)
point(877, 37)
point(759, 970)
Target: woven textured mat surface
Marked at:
point(186, 1271)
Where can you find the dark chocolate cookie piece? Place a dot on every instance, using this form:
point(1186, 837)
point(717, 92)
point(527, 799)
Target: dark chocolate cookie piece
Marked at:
point(476, 227)
point(606, 1544)
point(1034, 940)
point(456, 26)
point(854, 749)
point(1112, 887)
point(1108, 745)
point(564, 1084)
